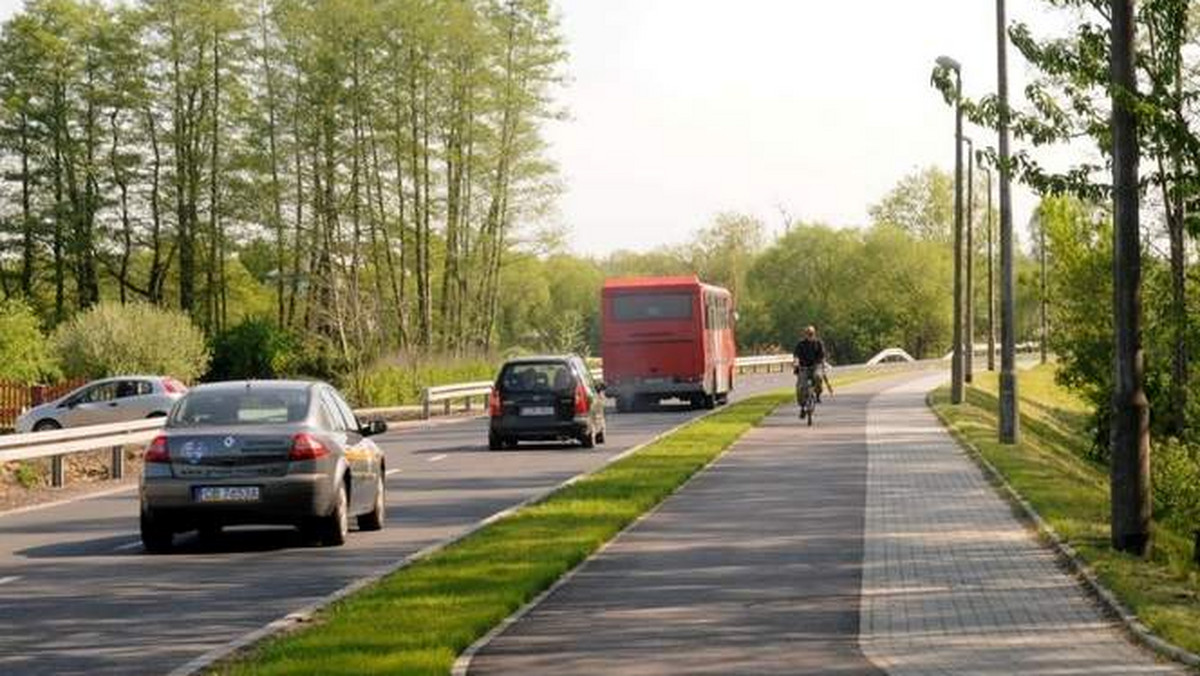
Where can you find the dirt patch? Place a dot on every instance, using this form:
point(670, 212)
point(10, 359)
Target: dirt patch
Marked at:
point(27, 482)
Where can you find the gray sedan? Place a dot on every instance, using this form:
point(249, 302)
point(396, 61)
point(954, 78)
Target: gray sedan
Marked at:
point(109, 400)
point(262, 452)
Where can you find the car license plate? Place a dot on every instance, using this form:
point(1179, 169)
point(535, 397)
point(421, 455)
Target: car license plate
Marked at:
point(537, 410)
point(227, 494)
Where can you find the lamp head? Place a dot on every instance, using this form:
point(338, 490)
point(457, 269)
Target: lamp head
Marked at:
point(947, 62)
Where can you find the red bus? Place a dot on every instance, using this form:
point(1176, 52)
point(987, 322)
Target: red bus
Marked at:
point(667, 337)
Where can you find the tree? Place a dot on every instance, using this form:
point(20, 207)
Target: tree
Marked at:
point(113, 339)
point(24, 355)
point(921, 204)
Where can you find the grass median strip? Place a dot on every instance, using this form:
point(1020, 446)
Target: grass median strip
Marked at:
point(417, 620)
point(1071, 494)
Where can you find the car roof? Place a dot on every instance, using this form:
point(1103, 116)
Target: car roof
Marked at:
point(230, 385)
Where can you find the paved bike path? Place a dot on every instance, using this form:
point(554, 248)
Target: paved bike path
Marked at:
point(753, 568)
point(758, 566)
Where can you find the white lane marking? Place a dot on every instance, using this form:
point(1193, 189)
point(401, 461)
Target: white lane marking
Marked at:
point(128, 545)
point(391, 472)
point(438, 458)
point(10, 578)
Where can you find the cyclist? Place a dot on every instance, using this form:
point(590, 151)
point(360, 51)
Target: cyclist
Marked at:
point(808, 361)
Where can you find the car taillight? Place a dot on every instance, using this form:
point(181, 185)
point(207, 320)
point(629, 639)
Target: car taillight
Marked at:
point(306, 447)
point(581, 400)
point(494, 408)
point(156, 452)
point(172, 386)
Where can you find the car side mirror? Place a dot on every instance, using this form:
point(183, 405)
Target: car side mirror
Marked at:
point(373, 428)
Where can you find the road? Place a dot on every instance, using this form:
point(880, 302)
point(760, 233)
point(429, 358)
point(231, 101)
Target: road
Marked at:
point(78, 595)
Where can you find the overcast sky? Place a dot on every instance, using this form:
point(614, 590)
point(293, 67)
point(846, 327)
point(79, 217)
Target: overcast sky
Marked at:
point(683, 108)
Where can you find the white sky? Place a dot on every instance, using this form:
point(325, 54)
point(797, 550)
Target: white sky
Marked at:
point(682, 108)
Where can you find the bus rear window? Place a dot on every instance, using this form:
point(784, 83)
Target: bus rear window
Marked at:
point(652, 307)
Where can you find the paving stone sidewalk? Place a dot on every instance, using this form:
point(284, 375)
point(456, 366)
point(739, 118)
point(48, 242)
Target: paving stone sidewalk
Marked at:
point(952, 583)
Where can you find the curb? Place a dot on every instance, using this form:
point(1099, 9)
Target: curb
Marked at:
point(463, 664)
point(306, 615)
point(1068, 556)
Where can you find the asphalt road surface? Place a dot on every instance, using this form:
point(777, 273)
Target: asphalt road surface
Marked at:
point(78, 595)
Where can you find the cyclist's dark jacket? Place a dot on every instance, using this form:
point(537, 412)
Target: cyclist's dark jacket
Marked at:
point(809, 352)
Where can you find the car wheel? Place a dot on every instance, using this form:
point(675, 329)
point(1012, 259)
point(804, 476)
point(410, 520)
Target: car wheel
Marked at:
point(588, 438)
point(624, 405)
point(46, 426)
point(157, 537)
point(334, 527)
point(373, 520)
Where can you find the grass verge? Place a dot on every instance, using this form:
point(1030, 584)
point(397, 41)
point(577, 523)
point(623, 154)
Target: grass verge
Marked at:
point(417, 620)
point(1071, 494)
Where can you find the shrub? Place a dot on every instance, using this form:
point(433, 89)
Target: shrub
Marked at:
point(113, 339)
point(1176, 481)
point(254, 348)
point(25, 356)
point(397, 381)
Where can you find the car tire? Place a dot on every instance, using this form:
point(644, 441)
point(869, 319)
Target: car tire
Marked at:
point(157, 537)
point(588, 438)
point(47, 426)
point(373, 520)
point(624, 405)
point(332, 529)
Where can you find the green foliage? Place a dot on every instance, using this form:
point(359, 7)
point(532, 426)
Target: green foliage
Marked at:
point(25, 356)
point(399, 381)
point(921, 204)
point(1079, 245)
point(1176, 481)
point(254, 348)
point(865, 291)
point(113, 339)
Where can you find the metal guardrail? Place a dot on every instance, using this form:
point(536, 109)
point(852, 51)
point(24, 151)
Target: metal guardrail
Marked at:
point(58, 444)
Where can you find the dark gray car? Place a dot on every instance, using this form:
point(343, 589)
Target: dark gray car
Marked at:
point(552, 398)
point(262, 452)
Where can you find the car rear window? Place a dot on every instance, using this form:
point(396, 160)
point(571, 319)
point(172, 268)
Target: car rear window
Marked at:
point(252, 406)
point(644, 307)
point(537, 376)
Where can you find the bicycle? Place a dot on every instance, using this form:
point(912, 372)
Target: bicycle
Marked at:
point(806, 396)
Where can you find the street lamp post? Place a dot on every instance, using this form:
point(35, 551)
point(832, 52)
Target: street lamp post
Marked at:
point(991, 283)
point(956, 359)
point(1010, 426)
point(969, 255)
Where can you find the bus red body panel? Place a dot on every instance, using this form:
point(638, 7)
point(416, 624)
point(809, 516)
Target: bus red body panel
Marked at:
point(667, 337)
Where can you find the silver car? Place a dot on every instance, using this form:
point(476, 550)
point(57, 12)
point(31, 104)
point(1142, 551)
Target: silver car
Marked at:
point(110, 400)
point(262, 452)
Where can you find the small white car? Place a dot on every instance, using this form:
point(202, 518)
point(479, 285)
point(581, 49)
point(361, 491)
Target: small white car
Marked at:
point(110, 400)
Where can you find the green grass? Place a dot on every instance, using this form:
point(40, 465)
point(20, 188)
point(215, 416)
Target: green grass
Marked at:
point(1049, 470)
point(416, 621)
